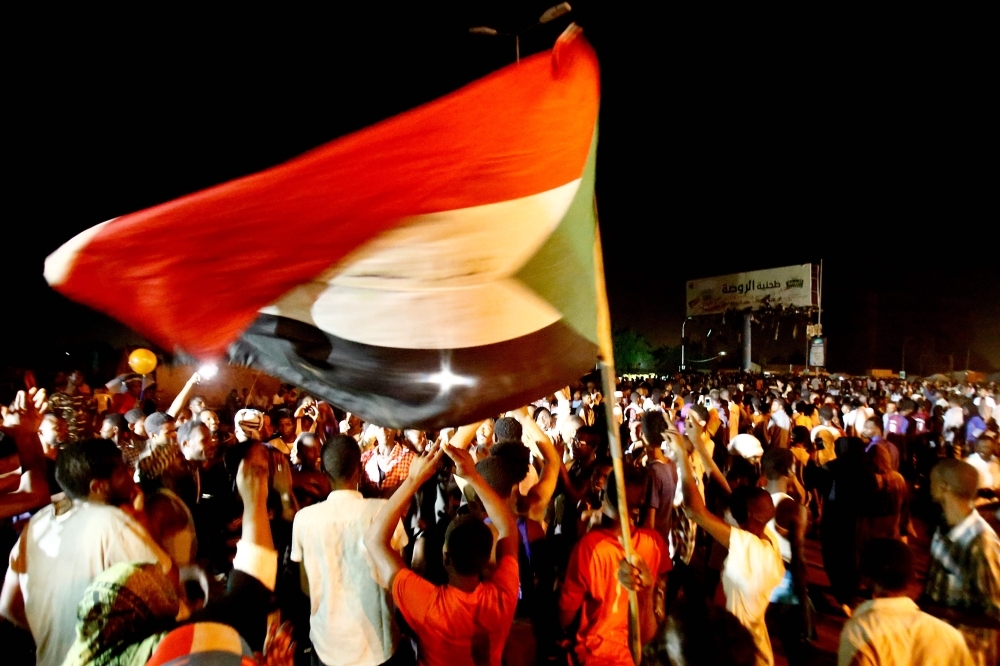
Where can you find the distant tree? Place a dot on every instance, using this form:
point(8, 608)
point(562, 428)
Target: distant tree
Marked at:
point(633, 353)
point(666, 360)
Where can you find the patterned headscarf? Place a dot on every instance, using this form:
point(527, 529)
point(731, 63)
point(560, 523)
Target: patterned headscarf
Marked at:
point(125, 612)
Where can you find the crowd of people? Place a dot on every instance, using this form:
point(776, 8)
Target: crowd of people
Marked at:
point(280, 529)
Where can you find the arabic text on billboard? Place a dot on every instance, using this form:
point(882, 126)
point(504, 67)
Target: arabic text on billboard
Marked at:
point(785, 287)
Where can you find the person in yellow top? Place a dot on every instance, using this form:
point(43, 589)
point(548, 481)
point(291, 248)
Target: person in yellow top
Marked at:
point(800, 417)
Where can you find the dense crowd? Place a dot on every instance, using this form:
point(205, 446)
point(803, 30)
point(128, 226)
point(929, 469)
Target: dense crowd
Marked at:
point(280, 529)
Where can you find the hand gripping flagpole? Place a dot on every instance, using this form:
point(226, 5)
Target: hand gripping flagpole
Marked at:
point(609, 380)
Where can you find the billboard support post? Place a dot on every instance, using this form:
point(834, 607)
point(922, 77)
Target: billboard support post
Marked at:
point(747, 318)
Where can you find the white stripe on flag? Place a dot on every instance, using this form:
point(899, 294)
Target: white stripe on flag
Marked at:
point(413, 286)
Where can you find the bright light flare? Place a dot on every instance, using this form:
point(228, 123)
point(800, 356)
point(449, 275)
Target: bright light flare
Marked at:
point(208, 371)
point(448, 380)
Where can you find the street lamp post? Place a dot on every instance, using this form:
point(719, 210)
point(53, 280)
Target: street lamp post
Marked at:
point(683, 367)
point(549, 15)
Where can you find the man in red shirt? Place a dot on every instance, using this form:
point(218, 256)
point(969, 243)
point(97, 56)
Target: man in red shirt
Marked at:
point(465, 621)
point(598, 579)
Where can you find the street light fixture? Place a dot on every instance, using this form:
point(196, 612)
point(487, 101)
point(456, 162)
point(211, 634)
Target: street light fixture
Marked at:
point(706, 360)
point(549, 15)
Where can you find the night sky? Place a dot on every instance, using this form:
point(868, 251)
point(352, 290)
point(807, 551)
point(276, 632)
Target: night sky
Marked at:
point(725, 146)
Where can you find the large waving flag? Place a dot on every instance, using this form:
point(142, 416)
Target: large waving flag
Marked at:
point(431, 269)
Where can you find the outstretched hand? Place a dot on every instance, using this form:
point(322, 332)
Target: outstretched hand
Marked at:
point(425, 466)
point(27, 409)
point(465, 466)
point(520, 413)
point(673, 445)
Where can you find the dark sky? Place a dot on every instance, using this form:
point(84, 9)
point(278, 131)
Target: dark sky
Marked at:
point(725, 146)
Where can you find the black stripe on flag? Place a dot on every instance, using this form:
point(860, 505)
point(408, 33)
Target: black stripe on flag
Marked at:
point(419, 388)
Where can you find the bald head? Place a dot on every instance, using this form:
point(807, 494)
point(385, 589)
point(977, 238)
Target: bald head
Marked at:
point(569, 427)
point(959, 477)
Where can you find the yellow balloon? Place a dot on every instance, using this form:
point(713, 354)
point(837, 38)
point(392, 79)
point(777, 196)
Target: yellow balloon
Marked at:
point(142, 361)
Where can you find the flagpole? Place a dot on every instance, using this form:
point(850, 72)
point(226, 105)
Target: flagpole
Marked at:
point(609, 380)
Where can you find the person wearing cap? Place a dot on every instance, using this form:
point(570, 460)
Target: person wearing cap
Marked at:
point(249, 424)
point(130, 388)
point(136, 420)
point(746, 446)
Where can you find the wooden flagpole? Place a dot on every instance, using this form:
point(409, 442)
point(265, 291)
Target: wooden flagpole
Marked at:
point(609, 380)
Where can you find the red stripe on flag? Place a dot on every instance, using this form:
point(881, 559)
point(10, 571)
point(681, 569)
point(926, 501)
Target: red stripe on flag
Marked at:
point(194, 272)
point(174, 645)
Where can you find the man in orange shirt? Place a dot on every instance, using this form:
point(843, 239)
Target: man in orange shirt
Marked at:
point(467, 620)
point(598, 579)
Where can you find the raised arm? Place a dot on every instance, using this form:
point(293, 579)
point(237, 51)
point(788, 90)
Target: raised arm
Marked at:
point(696, 435)
point(463, 437)
point(541, 493)
point(378, 538)
point(694, 505)
point(252, 484)
point(178, 404)
point(21, 422)
point(496, 506)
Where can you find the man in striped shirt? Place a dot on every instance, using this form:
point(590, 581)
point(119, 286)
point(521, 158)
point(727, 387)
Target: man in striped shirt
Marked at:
point(963, 580)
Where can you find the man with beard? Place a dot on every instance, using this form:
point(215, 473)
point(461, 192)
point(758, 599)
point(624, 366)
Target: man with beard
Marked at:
point(67, 544)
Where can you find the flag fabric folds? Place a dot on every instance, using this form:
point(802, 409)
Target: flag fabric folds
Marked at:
point(434, 268)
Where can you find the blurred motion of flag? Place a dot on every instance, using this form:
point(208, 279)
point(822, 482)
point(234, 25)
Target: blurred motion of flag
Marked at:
point(432, 269)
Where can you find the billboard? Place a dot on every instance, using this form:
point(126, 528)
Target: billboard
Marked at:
point(785, 287)
point(817, 352)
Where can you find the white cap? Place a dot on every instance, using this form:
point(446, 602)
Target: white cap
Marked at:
point(747, 446)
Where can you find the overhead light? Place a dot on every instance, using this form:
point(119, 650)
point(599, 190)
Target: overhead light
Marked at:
point(208, 370)
point(552, 13)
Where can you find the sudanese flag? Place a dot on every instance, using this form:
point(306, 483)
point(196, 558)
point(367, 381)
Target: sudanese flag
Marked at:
point(435, 268)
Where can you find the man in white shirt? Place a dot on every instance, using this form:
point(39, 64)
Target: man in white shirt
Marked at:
point(890, 628)
point(985, 462)
point(954, 418)
point(779, 428)
point(351, 613)
point(753, 567)
point(67, 544)
point(985, 394)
